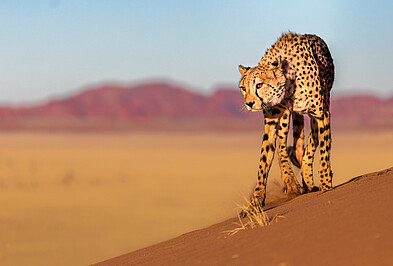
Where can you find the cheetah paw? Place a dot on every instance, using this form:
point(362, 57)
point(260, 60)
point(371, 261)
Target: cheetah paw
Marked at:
point(291, 188)
point(255, 206)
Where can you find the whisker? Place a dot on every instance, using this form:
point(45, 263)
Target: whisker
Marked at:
point(242, 108)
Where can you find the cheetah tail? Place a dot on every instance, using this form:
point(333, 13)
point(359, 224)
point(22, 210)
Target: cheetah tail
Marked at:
point(296, 151)
point(292, 155)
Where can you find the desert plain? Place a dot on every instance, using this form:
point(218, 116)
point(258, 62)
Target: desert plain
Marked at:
point(81, 198)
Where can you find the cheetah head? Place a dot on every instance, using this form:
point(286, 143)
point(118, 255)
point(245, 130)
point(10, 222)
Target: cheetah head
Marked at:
point(262, 86)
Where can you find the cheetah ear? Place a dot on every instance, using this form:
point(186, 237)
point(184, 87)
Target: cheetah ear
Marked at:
point(243, 69)
point(277, 62)
point(278, 68)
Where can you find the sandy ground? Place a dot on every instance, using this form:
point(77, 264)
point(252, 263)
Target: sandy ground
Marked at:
point(349, 225)
point(75, 199)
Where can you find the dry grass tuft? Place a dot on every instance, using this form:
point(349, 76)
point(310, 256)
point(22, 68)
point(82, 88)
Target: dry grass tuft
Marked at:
point(255, 217)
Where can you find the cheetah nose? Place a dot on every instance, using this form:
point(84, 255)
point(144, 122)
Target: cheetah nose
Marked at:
point(250, 104)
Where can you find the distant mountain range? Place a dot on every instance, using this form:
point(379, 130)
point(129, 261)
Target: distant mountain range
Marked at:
point(163, 106)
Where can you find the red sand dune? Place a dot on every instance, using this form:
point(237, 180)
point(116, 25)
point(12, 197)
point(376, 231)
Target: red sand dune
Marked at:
point(349, 225)
point(157, 105)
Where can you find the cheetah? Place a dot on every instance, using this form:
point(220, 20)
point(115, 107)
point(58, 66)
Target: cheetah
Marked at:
point(294, 78)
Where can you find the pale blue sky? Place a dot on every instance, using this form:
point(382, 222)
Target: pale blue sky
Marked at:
point(51, 47)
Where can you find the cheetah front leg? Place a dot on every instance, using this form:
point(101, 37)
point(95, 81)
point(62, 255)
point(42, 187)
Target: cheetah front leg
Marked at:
point(257, 200)
point(325, 140)
point(290, 185)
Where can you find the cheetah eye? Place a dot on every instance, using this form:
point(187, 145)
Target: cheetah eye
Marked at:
point(243, 89)
point(259, 85)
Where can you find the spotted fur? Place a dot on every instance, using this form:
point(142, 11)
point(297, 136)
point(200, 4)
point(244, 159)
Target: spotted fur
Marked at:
point(294, 77)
